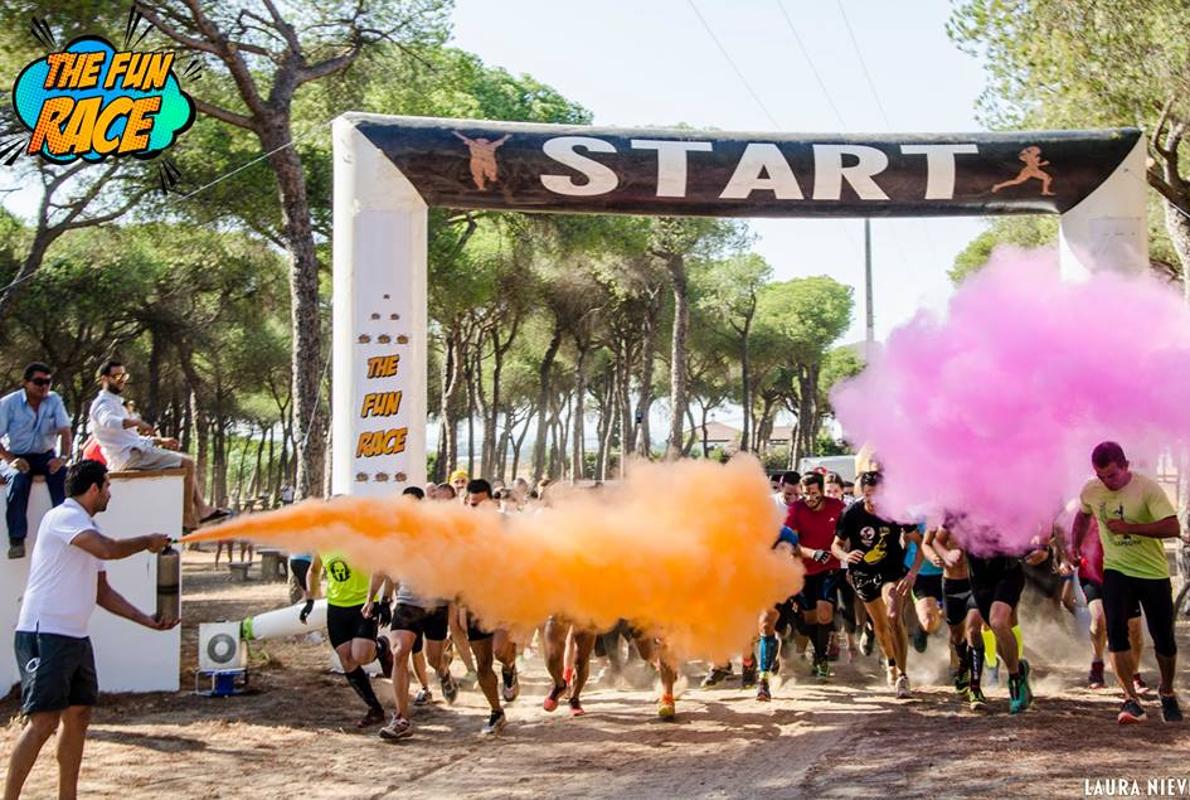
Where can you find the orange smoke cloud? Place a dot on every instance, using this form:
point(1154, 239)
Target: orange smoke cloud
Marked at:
point(683, 550)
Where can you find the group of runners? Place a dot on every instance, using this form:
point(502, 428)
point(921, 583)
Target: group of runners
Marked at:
point(870, 581)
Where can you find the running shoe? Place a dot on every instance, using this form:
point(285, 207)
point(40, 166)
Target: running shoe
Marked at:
point(962, 681)
point(903, 691)
point(715, 676)
point(1138, 684)
point(920, 640)
point(1131, 712)
point(576, 707)
point(495, 724)
point(398, 728)
point(976, 700)
point(1170, 711)
point(1022, 698)
point(665, 707)
point(423, 697)
point(832, 649)
point(1095, 679)
point(375, 716)
point(512, 686)
point(450, 687)
point(748, 674)
point(867, 641)
point(822, 669)
point(763, 694)
point(551, 700)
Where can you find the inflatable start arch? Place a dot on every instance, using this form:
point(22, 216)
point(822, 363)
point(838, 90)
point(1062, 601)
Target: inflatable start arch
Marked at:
point(389, 170)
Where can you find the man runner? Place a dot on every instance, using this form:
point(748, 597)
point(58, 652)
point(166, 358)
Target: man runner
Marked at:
point(414, 618)
point(1134, 517)
point(766, 651)
point(814, 518)
point(556, 639)
point(351, 632)
point(872, 546)
point(962, 615)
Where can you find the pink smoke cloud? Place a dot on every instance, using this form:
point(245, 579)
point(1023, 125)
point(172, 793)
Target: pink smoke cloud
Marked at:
point(993, 409)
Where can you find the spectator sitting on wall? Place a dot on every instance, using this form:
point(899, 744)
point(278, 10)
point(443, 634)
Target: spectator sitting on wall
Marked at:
point(129, 443)
point(30, 419)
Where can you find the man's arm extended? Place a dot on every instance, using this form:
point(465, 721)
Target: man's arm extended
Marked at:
point(110, 549)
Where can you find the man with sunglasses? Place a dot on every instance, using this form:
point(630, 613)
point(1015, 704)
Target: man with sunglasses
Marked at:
point(31, 418)
point(129, 443)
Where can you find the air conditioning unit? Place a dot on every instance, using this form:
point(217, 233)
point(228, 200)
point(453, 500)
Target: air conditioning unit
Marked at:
point(220, 647)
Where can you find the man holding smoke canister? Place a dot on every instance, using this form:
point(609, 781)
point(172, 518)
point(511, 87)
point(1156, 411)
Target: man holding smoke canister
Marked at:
point(66, 582)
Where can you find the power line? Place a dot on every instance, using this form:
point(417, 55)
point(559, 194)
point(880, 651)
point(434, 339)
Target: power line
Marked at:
point(738, 72)
point(863, 65)
point(810, 61)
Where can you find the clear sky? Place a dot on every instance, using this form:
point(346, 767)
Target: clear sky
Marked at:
point(652, 62)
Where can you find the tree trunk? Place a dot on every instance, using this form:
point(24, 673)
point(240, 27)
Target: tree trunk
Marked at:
point(518, 441)
point(501, 457)
point(692, 436)
point(153, 392)
point(469, 375)
point(273, 484)
point(447, 427)
point(238, 494)
point(745, 384)
point(201, 429)
point(706, 445)
point(644, 445)
point(578, 454)
point(305, 314)
point(678, 400)
point(543, 401)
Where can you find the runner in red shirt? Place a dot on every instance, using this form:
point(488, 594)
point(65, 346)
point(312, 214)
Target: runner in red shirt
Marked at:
point(813, 518)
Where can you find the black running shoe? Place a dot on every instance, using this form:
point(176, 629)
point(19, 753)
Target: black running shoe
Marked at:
point(748, 674)
point(1170, 711)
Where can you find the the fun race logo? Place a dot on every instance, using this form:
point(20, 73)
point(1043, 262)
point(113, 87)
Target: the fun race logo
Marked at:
point(93, 102)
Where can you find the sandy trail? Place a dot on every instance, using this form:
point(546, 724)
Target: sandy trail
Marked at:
point(847, 738)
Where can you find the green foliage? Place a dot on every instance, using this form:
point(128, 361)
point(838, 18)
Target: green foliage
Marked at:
point(1022, 231)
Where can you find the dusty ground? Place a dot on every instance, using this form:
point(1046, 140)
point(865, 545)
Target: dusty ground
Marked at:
point(848, 738)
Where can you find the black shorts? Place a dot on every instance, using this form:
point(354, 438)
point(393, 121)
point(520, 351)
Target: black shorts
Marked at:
point(475, 631)
point(56, 671)
point(430, 623)
point(823, 586)
point(999, 579)
point(344, 623)
point(1121, 593)
point(957, 599)
point(927, 586)
point(788, 611)
point(868, 584)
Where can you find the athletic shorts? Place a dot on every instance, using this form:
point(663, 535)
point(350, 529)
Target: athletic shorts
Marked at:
point(788, 612)
point(823, 586)
point(475, 631)
point(957, 599)
point(868, 584)
point(430, 623)
point(344, 623)
point(1155, 595)
point(927, 586)
point(999, 579)
point(56, 671)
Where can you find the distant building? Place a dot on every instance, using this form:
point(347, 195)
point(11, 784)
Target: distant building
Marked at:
point(716, 434)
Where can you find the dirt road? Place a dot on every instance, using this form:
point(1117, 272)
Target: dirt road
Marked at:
point(846, 738)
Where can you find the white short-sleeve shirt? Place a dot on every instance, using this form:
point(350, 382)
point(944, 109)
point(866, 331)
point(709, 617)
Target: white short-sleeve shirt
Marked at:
point(63, 579)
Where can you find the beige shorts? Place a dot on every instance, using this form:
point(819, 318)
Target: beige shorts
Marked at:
point(150, 458)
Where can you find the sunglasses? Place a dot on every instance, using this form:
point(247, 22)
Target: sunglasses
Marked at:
point(41, 381)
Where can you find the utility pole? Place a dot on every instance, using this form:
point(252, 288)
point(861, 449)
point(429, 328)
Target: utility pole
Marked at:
point(871, 313)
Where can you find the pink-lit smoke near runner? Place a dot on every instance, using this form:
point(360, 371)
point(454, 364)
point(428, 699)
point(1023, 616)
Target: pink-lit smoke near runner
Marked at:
point(994, 408)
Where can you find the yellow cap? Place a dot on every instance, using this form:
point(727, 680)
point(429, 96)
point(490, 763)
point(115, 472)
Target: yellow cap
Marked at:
point(458, 475)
